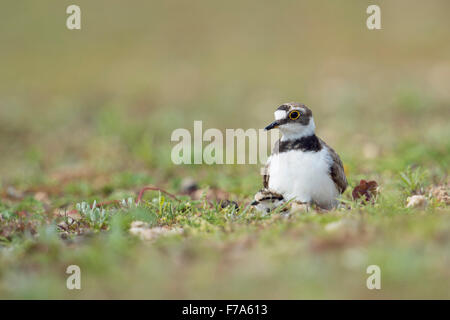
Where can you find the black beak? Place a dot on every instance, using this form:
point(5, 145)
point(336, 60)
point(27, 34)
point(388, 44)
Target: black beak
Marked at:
point(273, 125)
point(254, 203)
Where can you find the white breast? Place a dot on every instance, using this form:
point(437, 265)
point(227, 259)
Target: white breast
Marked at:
point(303, 176)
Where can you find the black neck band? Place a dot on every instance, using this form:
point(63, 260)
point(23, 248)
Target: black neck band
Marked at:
point(309, 143)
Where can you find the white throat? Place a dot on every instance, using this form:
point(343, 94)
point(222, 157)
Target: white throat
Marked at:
point(294, 131)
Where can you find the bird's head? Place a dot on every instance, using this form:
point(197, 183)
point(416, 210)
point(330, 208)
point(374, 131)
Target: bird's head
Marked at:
point(294, 120)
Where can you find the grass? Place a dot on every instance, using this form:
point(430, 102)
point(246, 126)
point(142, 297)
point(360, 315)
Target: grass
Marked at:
point(87, 116)
point(224, 253)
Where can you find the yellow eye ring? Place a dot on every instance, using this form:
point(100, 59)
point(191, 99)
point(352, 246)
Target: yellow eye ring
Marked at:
point(294, 115)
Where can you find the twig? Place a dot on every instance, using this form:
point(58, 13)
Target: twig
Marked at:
point(141, 193)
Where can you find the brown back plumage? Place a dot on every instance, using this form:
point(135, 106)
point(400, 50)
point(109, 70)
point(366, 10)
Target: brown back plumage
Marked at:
point(337, 172)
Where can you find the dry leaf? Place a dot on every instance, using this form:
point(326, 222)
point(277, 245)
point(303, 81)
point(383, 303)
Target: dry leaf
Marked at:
point(366, 189)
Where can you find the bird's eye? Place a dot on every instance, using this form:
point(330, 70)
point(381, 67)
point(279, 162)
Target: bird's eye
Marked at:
point(294, 115)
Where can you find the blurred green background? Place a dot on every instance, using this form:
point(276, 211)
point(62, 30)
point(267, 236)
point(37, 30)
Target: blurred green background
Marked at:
point(91, 111)
point(110, 94)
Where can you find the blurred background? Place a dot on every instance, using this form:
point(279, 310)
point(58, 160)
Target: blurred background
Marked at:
point(108, 96)
point(92, 110)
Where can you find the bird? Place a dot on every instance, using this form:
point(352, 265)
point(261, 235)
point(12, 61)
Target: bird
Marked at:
point(302, 167)
point(267, 200)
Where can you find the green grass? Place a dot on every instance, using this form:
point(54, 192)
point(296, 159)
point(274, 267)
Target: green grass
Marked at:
point(87, 116)
point(226, 253)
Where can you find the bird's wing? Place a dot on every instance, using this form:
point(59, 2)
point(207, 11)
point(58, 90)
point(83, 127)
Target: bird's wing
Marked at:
point(265, 173)
point(337, 172)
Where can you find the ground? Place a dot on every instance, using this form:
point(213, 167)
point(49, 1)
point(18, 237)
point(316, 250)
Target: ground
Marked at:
point(87, 116)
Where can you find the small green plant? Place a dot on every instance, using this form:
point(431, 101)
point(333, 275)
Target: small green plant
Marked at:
point(128, 203)
point(96, 217)
point(413, 180)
